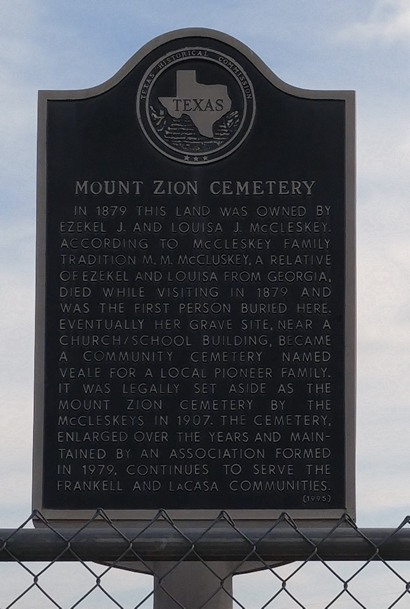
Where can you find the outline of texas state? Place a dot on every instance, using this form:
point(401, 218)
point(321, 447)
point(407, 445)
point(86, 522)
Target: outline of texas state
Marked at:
point(204, 104)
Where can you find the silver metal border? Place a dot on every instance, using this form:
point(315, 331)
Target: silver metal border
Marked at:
point(350, 298)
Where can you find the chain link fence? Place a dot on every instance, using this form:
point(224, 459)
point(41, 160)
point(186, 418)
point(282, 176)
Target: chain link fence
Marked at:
point(103, 563)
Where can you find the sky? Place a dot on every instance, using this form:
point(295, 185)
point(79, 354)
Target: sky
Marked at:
point(361, 45)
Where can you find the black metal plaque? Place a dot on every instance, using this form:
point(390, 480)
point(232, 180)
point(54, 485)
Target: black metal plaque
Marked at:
point(195, 304)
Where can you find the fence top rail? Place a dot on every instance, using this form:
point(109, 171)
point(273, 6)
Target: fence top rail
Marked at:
point(224, 541)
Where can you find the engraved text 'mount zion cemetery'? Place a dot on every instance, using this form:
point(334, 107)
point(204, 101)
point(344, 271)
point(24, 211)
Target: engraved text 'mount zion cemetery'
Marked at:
point(195, 302)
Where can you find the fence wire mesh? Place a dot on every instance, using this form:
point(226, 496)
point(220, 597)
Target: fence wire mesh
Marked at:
point(103, 563)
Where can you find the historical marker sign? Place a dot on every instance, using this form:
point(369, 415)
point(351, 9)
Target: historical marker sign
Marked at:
point(195, 331)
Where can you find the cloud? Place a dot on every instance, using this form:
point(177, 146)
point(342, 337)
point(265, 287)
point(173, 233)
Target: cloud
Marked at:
point(388, 22)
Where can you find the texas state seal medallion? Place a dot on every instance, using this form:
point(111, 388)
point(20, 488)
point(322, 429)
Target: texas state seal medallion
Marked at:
point(196, 105)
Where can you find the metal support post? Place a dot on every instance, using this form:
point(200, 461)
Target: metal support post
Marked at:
point(193, 585)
